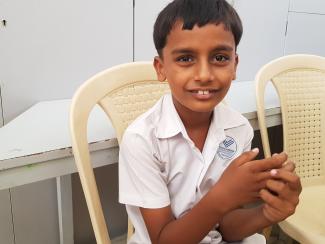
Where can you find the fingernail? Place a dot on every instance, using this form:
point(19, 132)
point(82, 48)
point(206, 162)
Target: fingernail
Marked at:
point(274, 154)
point(255, 150)
point(273, 172)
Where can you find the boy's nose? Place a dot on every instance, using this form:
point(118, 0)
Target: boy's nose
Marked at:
point(204, 73)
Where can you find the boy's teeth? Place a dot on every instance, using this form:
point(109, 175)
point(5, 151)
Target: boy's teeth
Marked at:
point(203, 92)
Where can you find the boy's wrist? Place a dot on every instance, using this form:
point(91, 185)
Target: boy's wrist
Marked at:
point(266, 220)
point(224, 203)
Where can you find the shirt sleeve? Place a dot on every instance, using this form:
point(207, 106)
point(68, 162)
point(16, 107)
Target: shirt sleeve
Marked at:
point(141, 179)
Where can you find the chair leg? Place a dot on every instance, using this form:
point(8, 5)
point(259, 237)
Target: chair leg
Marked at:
point(130, 229)
point(267, 232)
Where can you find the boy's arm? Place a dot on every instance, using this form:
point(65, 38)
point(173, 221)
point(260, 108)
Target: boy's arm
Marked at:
point(241, 223)
point(191, 227)
point(278, 205)
point(226, 195)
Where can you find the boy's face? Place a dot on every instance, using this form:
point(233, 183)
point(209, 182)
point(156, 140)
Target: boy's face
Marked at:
point(199, 65)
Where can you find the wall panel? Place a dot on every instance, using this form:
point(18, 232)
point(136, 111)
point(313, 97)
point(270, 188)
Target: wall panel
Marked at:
point(304, 35)
point(310, 6)
point(48, 48)
point(264, 23)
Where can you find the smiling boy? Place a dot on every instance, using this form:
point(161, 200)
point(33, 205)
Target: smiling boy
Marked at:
point(185, 165)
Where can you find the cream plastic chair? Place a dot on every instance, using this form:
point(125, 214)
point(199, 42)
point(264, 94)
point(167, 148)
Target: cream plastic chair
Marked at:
point(300, 83)
point(123, 92)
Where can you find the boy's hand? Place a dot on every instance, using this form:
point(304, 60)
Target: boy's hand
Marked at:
point(244, 178)
point(287, 186)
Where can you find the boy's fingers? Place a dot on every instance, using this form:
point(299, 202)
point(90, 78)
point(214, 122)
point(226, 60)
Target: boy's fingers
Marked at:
point(275, 203)
point(289, 166)
point(282, 190)
point(263, 176)
point(278, 187)
point(269, 163)
point(246, 157)
point(270, 199)
point(288, 177)
point(272, 214)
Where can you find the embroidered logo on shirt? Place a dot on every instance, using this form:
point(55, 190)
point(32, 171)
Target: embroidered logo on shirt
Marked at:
point(228, 148)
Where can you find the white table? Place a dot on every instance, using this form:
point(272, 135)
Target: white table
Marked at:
point(36, 145)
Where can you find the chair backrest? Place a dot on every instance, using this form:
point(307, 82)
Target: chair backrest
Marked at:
point(124, 92)
point(300, 83)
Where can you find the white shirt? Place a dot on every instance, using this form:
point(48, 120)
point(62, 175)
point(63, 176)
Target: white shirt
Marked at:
point(159, 164)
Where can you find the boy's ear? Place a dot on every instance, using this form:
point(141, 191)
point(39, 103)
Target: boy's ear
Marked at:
point(235, 68)
point(159, 67)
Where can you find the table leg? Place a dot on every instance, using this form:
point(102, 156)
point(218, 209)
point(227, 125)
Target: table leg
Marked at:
point(65, 212)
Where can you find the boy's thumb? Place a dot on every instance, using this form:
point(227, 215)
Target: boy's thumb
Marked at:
point(246, 156)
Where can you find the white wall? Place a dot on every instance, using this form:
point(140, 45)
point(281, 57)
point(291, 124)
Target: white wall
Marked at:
point(48, 48)
point(310, 6)
point(2, 26)
point(1, 116)
point(306, 21)
point(264, 24)
point(145, 13)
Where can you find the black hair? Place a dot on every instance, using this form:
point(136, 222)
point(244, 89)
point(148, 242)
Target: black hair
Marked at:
point(195, 12)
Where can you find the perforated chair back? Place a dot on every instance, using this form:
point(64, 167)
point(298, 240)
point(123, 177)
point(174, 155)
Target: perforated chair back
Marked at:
point(300, 83)
point(123, 92)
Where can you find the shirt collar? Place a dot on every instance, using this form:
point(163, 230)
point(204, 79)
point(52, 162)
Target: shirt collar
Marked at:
point(169, 123)
point(226, 117)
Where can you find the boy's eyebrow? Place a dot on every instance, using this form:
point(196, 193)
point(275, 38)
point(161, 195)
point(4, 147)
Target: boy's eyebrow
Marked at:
point(182, 50)
point(188, 50)
point(223, 48)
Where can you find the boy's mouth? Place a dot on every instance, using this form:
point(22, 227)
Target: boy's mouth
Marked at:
point(206, 92)
point(203, 92)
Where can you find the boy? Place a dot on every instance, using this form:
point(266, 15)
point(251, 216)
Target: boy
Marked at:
point(185, 165)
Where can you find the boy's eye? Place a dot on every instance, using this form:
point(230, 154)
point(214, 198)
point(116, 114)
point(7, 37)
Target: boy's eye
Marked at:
point(185, 59)
point(220, 58)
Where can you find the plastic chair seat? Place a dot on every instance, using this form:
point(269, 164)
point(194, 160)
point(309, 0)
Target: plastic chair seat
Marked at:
point(309, 216)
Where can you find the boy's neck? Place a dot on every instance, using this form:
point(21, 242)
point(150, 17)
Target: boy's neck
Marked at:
point(197, 125)
point(193, 120)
